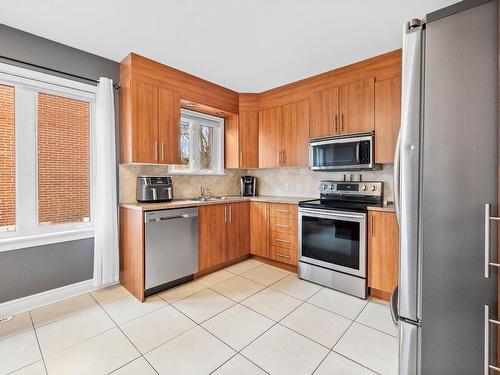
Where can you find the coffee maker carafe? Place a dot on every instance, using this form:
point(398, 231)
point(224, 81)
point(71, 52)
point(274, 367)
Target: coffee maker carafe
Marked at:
point(248, 186)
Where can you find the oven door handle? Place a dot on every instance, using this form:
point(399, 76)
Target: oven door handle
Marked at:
point(312, 213)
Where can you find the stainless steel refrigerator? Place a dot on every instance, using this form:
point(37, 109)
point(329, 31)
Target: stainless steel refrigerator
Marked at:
point(446, 167)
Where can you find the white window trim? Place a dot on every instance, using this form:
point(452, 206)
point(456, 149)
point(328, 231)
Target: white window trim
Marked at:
point(25, 235)
point(218, 148)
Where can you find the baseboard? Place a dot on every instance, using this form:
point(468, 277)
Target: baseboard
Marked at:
point(34, 301)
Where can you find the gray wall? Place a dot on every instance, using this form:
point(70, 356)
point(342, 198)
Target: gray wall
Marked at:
point(37, 269)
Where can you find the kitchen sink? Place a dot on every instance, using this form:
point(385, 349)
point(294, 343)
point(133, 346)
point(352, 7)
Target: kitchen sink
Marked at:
point(216, 198)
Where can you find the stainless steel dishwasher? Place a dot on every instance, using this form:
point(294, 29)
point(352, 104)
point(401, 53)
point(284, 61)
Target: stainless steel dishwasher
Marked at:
point(171, 248)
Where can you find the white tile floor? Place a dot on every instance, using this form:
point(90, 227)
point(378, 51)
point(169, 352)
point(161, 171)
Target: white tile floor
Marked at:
point(250, 318)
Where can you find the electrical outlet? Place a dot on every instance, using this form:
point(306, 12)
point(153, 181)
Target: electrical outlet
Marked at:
point(285, 188)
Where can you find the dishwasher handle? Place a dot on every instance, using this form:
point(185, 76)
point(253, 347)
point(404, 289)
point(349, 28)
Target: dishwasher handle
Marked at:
point(165, 215)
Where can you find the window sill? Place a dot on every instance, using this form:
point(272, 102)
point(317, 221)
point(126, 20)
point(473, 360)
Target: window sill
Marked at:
point(21, 242)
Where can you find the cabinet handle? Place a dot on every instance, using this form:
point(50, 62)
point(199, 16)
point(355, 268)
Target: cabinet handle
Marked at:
point(373, 226)
point(241, 158)
point(230, 214)
point(336, 125)
point(266, 215)
point(342, 122)
point(282, 226)
point(284, 157)
point(156, 150)
point(280, 157)
point(162, 151)
point(283, 211)
point(280, 240)
point(283, 255)
point(225, 214)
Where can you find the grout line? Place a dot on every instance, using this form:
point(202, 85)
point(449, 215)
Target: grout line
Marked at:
point(352, 360)
point(376, 329)
point(321, 362)
point(38, 342)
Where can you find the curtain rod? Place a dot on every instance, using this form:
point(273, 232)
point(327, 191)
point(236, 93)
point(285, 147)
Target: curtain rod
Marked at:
point(115, 85)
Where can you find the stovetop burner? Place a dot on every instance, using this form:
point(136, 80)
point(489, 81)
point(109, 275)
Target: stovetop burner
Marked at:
point(347, 196)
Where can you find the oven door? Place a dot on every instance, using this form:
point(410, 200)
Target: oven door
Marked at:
point(341, 153)
point(333, 239)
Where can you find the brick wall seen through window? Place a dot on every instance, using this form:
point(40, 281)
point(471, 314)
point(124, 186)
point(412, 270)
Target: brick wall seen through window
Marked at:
point(7, 159)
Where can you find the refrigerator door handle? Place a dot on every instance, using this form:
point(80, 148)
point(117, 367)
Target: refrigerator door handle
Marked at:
point(408, 348)
point(487, 239)
point(394, 305)
point(396, 176)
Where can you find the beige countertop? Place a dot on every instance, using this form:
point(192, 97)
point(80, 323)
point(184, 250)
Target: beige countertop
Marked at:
point(182, 203)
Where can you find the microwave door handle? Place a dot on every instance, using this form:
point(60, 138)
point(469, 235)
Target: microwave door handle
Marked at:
point(357, 152)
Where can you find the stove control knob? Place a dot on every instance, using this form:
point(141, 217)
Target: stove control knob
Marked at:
point(364, 188)
point(324, 186)
point(374, 187)
point(332, 187)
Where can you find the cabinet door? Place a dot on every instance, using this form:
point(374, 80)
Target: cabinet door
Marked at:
point(383, 238)
point(269, 138)
point(324, 113)
point(144, 112)
point(295, 134)
point(357, 106)
point(238, 230)
point(169, 111)
point(259, 229)
point(387, 118)
point(211, 236)
point(249, 139)
point(231, 142)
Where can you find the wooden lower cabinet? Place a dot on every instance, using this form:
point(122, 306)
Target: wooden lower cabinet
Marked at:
point(259, 229)
point(223, 233)
point(383, 252)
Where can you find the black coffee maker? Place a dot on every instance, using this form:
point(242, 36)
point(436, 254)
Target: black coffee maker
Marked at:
point(248, 186)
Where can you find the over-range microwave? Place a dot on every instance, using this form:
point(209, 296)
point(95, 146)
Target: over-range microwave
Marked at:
point(343, 153)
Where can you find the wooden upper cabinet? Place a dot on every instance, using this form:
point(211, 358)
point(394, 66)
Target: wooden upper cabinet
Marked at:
point(387, 118)
point(357, 106)
point(238, 230)
point(269, 138)
point(169, 112)
point(231, 142)
point(383, 249)
point(259, 229)
point(211, 236)
point(249, 139)
point(295, 134)
point(324, 113)
point(149, 123)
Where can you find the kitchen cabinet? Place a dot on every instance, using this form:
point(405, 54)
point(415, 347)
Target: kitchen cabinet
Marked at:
point(387, 118)
point(284, 136)
point(259, 229)
point(345, 109)
point(223, 233)
point(283, 228)
point(149, 123)
point(241, 139)
point(383, 250)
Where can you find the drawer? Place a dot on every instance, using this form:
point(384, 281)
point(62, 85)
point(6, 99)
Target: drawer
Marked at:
point(284, 240)
point(283, 210)
point(284, 224)
point(284, 255)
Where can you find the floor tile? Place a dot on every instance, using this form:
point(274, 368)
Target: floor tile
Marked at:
point(335, 364)
point(296, 287)
point(238, 326)
point(373, 349)
point(36, 368)
point(238, 288)
point(282, 351)
point(271, 303)
point(319, 325)
point(98, 355)
point(377, 314)
point(137, 367)
point(124, 309)
point(244, 266)
point(110, 293)
point(338, 302)
point(181, 291)
point(62, 309)
point(215, 278)
point(265, 275)
point(194, 352)
point(203, 305)
point(239, 365)
point(18, 344)
point(73, 329)
point(153, 329)
point(276, 268)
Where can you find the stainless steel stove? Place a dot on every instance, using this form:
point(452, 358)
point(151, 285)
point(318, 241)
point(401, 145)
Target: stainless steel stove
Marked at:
point(333, 235)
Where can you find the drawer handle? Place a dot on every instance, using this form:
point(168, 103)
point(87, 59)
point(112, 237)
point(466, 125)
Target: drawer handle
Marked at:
point(282, 226)
point(283, 211)
point(283, 255)
point(280, 240)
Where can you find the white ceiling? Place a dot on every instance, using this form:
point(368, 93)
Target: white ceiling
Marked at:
point(245, 45)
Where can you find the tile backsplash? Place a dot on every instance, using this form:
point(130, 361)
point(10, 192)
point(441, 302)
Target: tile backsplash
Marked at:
point(300, 182)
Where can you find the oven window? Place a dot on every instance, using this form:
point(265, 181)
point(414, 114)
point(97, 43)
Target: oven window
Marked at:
point(331, 240)
point(335, 154)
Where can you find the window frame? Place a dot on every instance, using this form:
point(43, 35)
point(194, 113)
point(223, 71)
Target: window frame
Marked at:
point(218, 124)
point(27, 84)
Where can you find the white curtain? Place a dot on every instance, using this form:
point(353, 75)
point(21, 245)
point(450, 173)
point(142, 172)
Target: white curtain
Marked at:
point(106, 257)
